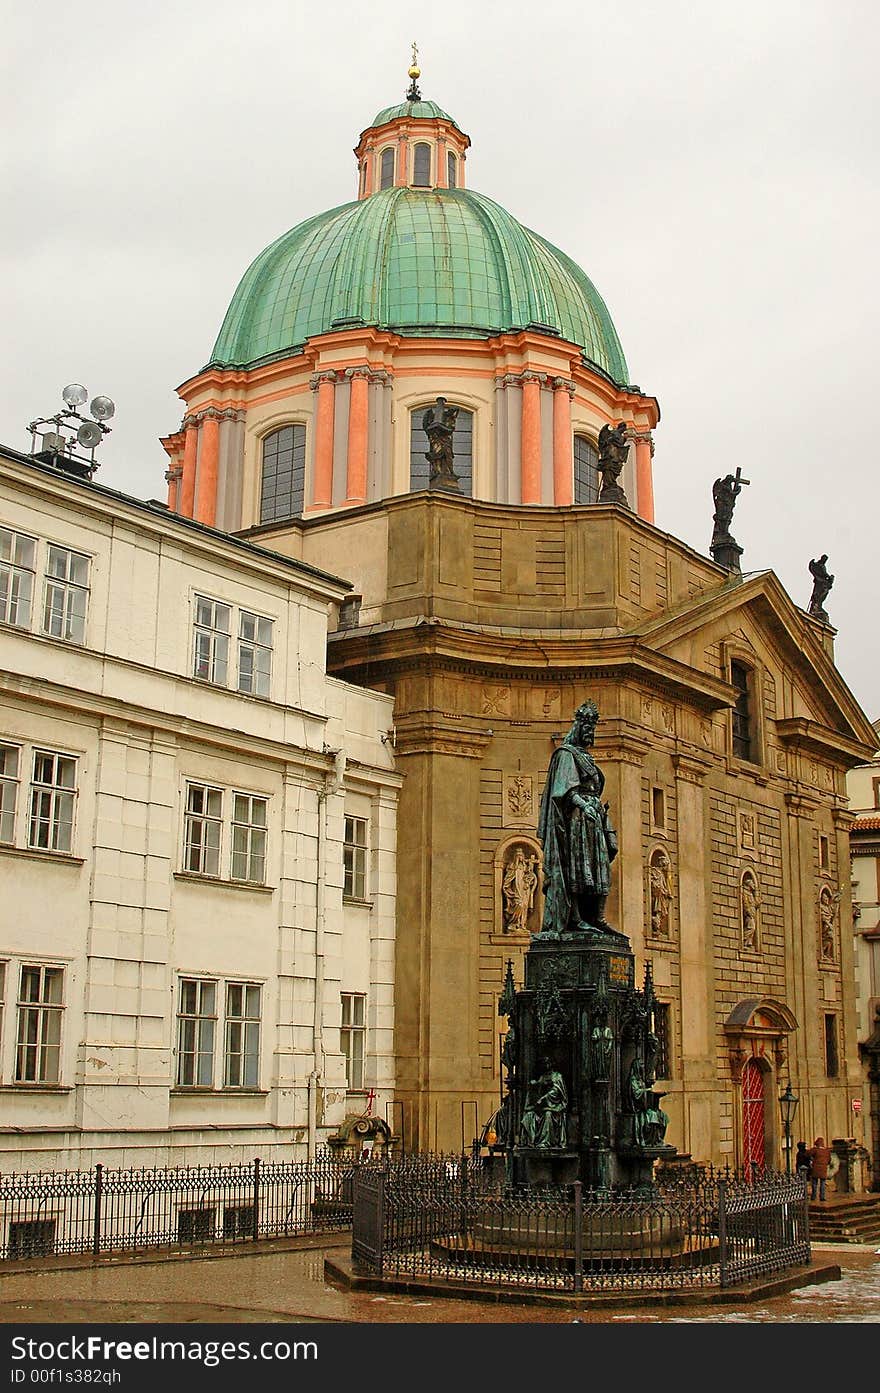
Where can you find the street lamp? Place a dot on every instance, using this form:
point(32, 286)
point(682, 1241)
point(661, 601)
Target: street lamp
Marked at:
point(788, 1102)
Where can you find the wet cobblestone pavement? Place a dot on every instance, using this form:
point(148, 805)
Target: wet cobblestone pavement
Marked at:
point(289, 1285)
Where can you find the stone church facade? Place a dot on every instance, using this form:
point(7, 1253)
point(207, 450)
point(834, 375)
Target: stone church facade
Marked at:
point(491, 609)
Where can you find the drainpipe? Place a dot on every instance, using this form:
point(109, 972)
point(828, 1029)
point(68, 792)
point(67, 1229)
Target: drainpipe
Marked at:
point(311, 1144)
point(332, 782)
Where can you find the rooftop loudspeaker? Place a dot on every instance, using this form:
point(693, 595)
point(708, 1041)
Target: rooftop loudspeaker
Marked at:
point(89, 435)
point(102, 408)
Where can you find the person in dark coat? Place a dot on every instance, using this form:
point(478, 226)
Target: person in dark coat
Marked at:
point(802, 1160)
point(819, 1155)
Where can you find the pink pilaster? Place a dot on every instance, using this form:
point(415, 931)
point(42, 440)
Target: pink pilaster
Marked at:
point(209, 461)
point(530, 445)
point(563, 459)
point(356, 485)
point(644, 478)
point(188, 482)
point(322, 488)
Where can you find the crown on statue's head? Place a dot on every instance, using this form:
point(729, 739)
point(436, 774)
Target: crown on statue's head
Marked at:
point(588, 713)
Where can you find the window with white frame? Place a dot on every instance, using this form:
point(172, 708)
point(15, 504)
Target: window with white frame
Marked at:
point(2, 996)
point(354, 859)
point(215, 628)
point(248, 837)
point(224, 833)
point(10, 765)
point(53, 794)
point(203, 825)
point(18, 553)
point(196, 1032)
point(211, 646)
point(66, 594)
point(200, 1029)
point(241, 1066)
point(254, 653)
point(38, 1038)
point(352, 1036)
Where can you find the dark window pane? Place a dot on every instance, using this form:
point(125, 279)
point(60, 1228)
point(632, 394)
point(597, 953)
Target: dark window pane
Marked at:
point(422, 166)
point(386, 177)
point(284, 474)
point(450, 170)
point(586, 470)
point(663, 1060)
point(832, 1067)
point(742, 732)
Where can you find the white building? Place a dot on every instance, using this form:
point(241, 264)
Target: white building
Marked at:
point(197, 842)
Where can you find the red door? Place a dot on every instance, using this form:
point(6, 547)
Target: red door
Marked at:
point(753, 1114)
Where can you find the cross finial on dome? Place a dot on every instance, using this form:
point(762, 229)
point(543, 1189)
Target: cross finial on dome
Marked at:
point(414, 95)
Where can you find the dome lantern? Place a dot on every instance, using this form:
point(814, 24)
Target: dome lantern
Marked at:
point(415, 144)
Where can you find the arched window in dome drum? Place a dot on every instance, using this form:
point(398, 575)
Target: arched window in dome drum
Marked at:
point(586, 470)
point(386, 169)
point(422, 166)
point(282, 494)
point(451, 170)
point(462, 449)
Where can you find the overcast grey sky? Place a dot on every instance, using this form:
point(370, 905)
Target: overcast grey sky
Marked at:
point(713, 168)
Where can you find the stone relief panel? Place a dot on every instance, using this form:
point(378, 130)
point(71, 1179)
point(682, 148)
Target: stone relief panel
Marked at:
point(661, 893)
point(748, 834)
point(551, 700)
point(495, 699)
point(750, 906)
point(518, 881)
point(519, 806)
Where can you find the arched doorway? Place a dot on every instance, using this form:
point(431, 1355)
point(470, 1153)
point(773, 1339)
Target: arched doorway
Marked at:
point(754, 1141)
point(757, 1030)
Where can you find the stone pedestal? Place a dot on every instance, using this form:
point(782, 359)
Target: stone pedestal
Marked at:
point(726, 553)
point(580, 1020)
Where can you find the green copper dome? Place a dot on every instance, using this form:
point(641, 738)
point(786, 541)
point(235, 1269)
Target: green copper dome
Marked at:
point(428, 111)
point(424, 262)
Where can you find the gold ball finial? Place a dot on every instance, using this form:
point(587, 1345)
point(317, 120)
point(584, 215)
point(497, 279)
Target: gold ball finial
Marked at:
point(413, 94)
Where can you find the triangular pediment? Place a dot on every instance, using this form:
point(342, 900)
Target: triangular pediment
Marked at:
point(755, 616)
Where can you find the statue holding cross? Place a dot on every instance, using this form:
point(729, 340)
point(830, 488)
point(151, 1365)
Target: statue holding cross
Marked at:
point(724, 494)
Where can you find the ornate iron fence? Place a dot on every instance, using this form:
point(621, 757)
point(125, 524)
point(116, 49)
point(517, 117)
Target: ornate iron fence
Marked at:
point(108, 1210)
point(715, 1229)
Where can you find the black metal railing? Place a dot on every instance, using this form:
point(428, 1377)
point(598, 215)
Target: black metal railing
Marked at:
point(715, 1228)
point(106, 1210)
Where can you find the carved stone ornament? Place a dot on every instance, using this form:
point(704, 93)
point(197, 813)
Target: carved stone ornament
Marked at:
point(828, 902)
point(552, 1017)
point(750, 901)
point(520, 796)
point(519, 887)
point(660, 883)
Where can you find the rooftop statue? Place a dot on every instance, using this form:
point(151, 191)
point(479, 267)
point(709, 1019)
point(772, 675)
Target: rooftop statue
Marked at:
point(438, 423)
point(577, 837)
point(613, 450)
point(724, 494)
point(822, 583)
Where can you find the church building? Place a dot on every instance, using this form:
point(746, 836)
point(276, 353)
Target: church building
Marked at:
point(418, 393)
